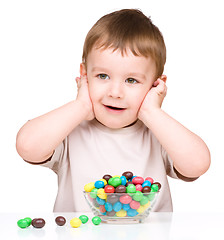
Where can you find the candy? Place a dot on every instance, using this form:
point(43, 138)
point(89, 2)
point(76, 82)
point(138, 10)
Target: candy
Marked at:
point(75, 222)
point(121, 213)
point(128, 175)
point(117, 206)
point(38, 222)
point(146, 183)
point(109, 189)
point(22, 223)
point(134, 204)
point(154, 188)
point(146, 189)
point(125, 199)
point(131, 188)
point(29, 220)
point(120, 189)
point(107, 177)
point(60, 221)
point(96, 220)
point(138, 180)
point(122, 196)
point(116, 181)
point(138, 196)
point(99, 184)
point(89, 187)
point(84, 218)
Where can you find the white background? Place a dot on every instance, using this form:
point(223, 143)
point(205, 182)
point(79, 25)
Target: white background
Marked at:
point(40, 51)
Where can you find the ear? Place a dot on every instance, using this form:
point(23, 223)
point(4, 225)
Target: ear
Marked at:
point(163, 78)
point(82, 70)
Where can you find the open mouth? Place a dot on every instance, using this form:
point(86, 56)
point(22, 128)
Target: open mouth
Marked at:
point(114, 108)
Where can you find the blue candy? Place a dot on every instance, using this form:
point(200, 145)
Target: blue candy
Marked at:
point(132, 212)
point(100, 201)
point(146, 183)
point(123, 180)
point(117, 206)
point(99, 184)
point(126, 207)
point(108, 207)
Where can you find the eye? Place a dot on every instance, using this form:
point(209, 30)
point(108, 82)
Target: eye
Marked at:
point(103, 76)
point(131, 80)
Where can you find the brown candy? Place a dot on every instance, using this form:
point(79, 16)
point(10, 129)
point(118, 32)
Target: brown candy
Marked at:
point(60, 221)
point(128, 175)
point(128, 183)
point(38, 222)
point(112, 198)
point(120, 189)
point(146, 189)
point(107, 177)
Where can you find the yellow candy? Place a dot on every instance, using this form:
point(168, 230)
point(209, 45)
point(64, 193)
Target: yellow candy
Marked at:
point(147, 205)
point(105, 182)
point(101, 194)
point(89, 187)
point(141, 209)
point(121, 213)
point(75, 222)
point(116, 176)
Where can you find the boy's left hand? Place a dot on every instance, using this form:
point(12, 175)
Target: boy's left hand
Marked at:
point(154, 98)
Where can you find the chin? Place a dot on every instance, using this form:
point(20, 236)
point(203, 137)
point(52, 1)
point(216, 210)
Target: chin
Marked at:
point(113, 124)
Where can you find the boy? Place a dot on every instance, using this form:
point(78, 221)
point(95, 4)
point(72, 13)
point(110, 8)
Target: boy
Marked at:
point(116, 122)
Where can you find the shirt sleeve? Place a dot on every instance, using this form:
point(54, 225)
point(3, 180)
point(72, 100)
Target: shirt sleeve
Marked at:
point(170, 169)
point(58, 158)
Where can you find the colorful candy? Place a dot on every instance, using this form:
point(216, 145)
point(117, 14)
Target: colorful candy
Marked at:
point(122, 196)
point(84, 218)
point(75, 222)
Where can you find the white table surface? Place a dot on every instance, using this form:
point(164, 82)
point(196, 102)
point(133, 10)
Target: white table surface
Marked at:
point(157, 226)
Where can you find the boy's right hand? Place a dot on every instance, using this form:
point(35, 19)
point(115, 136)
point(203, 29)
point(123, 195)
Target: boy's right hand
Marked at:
point(84, 98)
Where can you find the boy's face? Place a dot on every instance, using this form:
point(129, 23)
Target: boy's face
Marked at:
point(118, 85)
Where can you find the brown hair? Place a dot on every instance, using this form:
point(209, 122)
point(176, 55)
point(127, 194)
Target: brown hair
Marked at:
point(127, 29)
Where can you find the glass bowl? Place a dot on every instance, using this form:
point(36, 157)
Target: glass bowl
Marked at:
point(121, 208)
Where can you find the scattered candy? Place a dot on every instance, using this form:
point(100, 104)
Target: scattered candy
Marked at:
point(23, 223)
point(75, 222)
point(84, 218)
point(122, 196)
point(60, 221)
point(96, 220)
point(38, 222)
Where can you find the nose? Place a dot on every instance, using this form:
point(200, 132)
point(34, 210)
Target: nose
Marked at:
point(116, 90)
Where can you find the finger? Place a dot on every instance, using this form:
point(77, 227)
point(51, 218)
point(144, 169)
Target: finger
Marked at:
point(161, 87)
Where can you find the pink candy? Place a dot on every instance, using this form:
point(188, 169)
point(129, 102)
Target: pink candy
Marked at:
point(150, 179)
point(125, 199)
point(138, 180)
point(139, 187)
point(134, 204)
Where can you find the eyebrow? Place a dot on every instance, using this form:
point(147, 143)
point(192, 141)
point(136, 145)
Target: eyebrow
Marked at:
point(100, 69)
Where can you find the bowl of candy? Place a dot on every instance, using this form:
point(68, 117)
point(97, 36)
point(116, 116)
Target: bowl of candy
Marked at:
point(122, 199)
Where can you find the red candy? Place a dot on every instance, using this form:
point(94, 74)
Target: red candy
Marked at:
point(138, 180)
point(109, 189)
point(134, 204)
point(125, 199)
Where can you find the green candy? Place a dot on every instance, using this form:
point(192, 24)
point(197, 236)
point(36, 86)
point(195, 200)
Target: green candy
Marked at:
point(96, 220)
point(29, 220)
point(131, 188)
point(138, 196)
point(151, 196)
point(84, 218)
point(110, 181)
point(116, 181)
point(22, 223)
point(154, 188)
point(93, 193)
point(144, 200)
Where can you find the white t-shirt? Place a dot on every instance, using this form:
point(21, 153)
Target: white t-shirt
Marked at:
point(93, 150)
